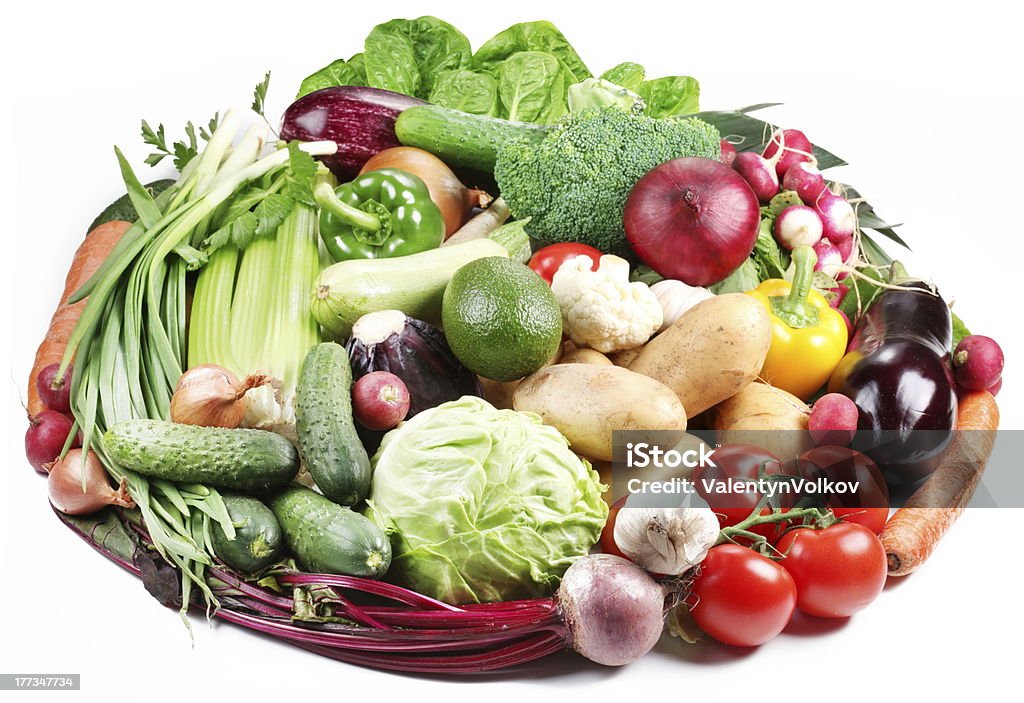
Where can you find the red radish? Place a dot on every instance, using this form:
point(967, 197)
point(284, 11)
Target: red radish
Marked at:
point(798, 225)
point(728, 152)
point(829, 258)
point(380, 400)
point(849, 325)
point(692, 219)
point(758, 173)
point(838, 294)
point(44, 440)
point(994, 389)
point(55, 392)
point(795, 148)
point(806, 180)
point(837, 217)
point(978, 362)
point(845, 247)
point(833, 420)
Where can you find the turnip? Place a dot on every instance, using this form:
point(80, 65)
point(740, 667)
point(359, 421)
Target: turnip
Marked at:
point(806, 180)
point(728, 152)
point(759, 174)
point(837, 217)
point(798, 225)
point(795, 148)
point(830, 260)
point(833, 420)
point(978, 362)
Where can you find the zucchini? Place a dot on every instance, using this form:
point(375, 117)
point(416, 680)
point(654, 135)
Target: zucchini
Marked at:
point(414, 284)
point(329, 538)
point(460, 138)
point(258, 539)
point(122, 208)
point(327, 434)
point(243, 460)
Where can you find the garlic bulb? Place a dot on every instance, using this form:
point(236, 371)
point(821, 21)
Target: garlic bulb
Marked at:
point(666, 540)
point(676, 297)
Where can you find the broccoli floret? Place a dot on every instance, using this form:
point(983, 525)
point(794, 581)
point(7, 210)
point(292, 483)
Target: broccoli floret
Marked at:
point(574, 183)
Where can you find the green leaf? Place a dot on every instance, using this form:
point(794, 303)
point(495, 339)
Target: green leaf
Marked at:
point(959, 330)
point(540, 36)
point(436, 45)
point(530, 83)
point(465, 90)
point(767, 253)
point(340, 72)
point(142, 200)
point(627, 74)
point(744, 278)
point(670, 96)
point(862, 292)
point(868, 218)
point(301, 175)
point(391, 62)
point(271, 212)
point(259, 95)
point(239, 232)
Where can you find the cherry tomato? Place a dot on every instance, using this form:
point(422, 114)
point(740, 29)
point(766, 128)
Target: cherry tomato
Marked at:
point(547, 260)
point(838, 571)
point(607, 542)
point(738, 462)
point(740, 597)
point(869, 505)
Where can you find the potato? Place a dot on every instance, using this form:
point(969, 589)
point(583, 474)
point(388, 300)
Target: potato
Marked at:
point(711, 352)
point(585, 356)
point(625, 357)
point(587, 402)
point(766, 416)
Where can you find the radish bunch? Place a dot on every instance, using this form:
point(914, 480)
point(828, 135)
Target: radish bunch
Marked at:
point(824, 220)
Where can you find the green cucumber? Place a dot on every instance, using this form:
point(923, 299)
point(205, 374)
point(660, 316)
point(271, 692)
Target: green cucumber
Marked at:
point(329, 538)
point(258, 539)
point(328, 441)
point(459, 138)
point(244, 460)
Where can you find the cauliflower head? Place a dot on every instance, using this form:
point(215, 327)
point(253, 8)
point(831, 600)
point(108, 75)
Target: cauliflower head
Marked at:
point(601, 309)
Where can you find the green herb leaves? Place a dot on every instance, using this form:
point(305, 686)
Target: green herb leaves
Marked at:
point(182, 151)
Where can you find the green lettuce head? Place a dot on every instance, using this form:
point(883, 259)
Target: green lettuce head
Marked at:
point(483, 504)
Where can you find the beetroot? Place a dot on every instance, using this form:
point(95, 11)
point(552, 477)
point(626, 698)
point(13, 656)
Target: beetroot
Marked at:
point(692, 219)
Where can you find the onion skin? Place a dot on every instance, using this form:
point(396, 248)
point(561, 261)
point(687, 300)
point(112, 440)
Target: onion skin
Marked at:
point(692, 219)
point(65, 481)
point(211, 396)
point(453, 199)
point(613, 609)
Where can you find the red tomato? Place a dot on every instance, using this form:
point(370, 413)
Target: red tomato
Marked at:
point(547, 260)
point(738, 462)
point(607, 542)
point(740, 597)
point(869, 505)
point(838, 571)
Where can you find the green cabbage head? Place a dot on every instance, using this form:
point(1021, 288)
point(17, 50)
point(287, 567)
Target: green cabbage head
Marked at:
point(483, 504)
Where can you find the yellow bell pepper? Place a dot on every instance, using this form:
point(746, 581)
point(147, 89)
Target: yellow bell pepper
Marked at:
point(808, 335)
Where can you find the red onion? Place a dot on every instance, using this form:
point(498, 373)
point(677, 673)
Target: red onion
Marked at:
point(806, 180)
point(79, 485)
point(759, 174)
point(692, 219)
point(795, 148)
point(837, 217)
point(44, 440)
point(55, 392)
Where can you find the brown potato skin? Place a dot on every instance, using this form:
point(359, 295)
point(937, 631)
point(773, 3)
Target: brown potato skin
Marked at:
point(711, 352)
point(585, 356)
point(766, 416)
point(587, 402)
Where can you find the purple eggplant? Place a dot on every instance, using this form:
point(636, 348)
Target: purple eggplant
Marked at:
point(416, 352)
point(360, 120)
point(897, 373)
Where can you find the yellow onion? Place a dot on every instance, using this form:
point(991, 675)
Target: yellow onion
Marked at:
point(453, 199)
point(79, 485)
point(212, 396)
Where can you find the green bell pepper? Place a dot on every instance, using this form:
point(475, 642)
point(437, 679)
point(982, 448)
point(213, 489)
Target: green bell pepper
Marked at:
point(380, 214)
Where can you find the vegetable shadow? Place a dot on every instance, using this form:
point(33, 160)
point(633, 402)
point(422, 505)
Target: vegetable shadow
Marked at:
point(706, 651)
point(803, 625)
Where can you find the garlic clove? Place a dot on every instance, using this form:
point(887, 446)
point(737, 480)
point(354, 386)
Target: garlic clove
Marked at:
point(666, 541)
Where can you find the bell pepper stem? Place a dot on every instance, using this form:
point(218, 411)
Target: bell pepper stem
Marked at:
point(326, 199)
point(793, 309)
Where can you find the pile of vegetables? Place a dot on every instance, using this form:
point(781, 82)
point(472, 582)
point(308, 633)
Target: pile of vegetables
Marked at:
point(355, 383)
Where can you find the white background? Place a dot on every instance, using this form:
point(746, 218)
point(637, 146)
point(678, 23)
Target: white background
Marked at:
point(924, 103)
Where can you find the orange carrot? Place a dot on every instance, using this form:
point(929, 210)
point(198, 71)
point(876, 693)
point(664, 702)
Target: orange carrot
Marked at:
point(91, 253)
point(913, 532)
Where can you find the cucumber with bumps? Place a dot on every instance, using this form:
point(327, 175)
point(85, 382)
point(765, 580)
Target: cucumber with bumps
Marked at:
point(329, 538)
point(258, 539)
point(328, 441)
point(243, 460)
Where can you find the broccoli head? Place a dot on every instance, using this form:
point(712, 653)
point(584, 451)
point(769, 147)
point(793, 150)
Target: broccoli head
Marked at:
point(573, 184)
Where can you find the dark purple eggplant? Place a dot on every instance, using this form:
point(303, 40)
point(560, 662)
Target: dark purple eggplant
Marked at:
point(416, 352)
point(897, 373)
point(360, 120)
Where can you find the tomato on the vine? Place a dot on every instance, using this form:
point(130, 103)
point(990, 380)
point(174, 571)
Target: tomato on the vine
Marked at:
point(547, 260)
point(838, 570)
point(872, 518)
point(740, 597)
point(869, 504)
